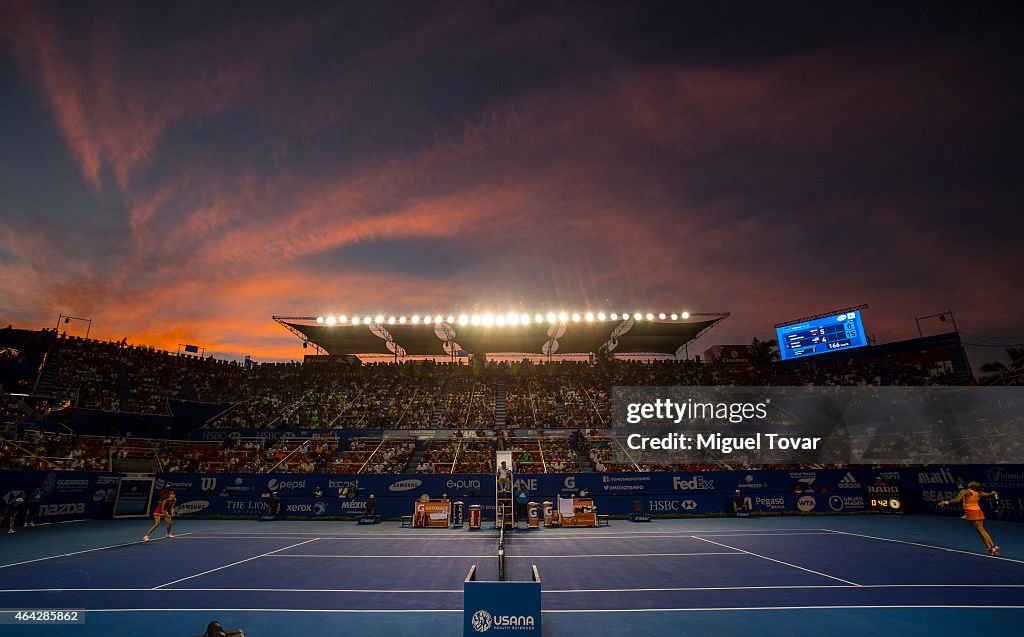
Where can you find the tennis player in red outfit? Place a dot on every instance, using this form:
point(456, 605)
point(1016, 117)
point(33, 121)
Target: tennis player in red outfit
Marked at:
point(164, 510)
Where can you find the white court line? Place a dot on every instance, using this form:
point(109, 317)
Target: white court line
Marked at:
point(730, 608)
point(434, 534)
point(544, 536)
point(280, 610)
point(532, 557)
point(929, 546)
point(99, 548)
point(254, 557)
point(390, 557)
point(772, 559)
point(375, 591)
point(780, 587)
point(574, 610)
point(460, 591)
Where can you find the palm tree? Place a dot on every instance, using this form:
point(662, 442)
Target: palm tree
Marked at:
point(997, 373)
point(764, 353)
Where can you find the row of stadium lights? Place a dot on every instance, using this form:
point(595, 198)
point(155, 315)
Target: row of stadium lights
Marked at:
point(500, 320)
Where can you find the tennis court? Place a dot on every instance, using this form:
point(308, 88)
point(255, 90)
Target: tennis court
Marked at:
point(830, 574)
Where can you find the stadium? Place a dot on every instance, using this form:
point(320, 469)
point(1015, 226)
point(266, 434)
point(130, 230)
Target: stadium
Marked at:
point(483, 319)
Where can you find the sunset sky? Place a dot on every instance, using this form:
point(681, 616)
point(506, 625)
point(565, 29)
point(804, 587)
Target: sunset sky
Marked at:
point(179, 172)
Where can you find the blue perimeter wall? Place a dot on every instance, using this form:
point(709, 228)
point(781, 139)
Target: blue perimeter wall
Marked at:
point(70, 495)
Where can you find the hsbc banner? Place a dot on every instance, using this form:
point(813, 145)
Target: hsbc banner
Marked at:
point(757, 503)
point(66, 495)
point(923, 488)
point(230, 435)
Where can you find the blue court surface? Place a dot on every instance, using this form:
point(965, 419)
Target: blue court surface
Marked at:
point(842, 575)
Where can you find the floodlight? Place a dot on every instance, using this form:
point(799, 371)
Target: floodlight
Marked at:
point(662, 316)
point(600, 316)
point(538, 318)
point(615, 316)
point(686, 315)
point(563, 317)
point(475, 320)
point(342, 319)
point(451, 319)
point(525, 319)
point(437, 319)
point(391, 320)
point(589, 316)
point(551, 317)
point(675, 316)
point(500, 321)
point(330, 320)
point(462, 319)
point(355, 320)
point(575, 316)
point(401, 319)
point(650, 317)
point(320, 320)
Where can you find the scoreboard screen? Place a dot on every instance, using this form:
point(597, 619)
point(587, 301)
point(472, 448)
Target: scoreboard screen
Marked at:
point(884, 499)
point(821, 335)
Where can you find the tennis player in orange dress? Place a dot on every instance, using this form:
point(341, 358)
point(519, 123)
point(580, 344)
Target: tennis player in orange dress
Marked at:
point(971, 496)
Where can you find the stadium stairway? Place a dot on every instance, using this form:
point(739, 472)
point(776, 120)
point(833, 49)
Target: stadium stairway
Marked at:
point(188, 390)
point(417, 456)
point(499, 405)
point(440, 406)
point(124, 395)
point(45, 383)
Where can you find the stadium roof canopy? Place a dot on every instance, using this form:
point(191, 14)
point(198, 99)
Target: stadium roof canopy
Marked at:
point(449, 338)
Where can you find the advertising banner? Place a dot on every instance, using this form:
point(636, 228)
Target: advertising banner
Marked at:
point(64, 495)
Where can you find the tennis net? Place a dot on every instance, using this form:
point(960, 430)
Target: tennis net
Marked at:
point(501, 554)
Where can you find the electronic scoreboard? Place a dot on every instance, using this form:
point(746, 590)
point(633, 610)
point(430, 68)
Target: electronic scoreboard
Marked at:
point(821, 335)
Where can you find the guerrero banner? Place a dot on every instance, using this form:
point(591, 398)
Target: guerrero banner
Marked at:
point(64, 495)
